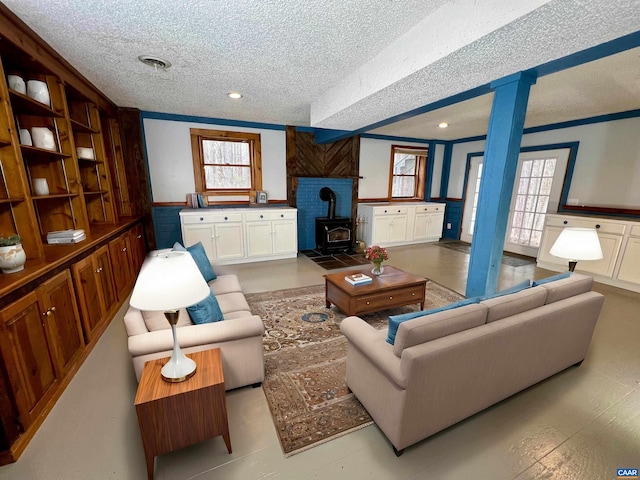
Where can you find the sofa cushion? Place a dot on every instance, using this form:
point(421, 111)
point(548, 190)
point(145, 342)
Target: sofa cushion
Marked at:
point(513, 289)
point(225, 284)
point(232, 302)
point(201, 259)
point(206, 311)
point(567, 287)
point(156, 320)
point(436, 325)
point(514, 303)
point(396, 320)
point(560, 276)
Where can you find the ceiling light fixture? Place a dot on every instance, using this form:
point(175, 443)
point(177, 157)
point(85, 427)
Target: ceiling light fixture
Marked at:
point(443, 125)
point(155, 62)
point(234, 95)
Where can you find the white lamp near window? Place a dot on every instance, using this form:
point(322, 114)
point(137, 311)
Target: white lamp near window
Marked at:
point(168, 282)
point(575, 244)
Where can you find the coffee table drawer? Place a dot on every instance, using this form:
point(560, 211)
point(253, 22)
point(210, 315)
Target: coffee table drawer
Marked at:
point(390, 298)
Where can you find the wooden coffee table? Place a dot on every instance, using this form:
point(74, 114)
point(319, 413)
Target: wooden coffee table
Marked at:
point(176, 415)
point(394, 288)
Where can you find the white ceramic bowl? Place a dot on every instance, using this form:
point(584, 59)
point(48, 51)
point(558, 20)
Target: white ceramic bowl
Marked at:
point(16, 82)
point(85, 153)
point(38, 91)
point(43, 138)
point(25, 137)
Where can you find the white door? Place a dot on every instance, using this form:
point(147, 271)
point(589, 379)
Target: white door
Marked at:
point(536, 191)
point(229, 241)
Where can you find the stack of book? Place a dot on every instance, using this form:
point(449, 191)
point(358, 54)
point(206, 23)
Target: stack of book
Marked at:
point(66, 236)
point(358, 279)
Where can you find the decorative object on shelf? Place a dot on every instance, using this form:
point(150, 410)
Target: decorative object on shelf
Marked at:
point(12, 256)
point(25, 137)
point(377, 255)
point(575, 244)
point(85, 153)
point(43, 138)
point(358, 279)
point(168, 282)
point(261, 196)
point(40, 186)
point(16, 82)
point(39, 91)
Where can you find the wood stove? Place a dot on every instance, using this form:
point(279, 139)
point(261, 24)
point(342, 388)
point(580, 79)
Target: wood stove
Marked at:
point(333, 234)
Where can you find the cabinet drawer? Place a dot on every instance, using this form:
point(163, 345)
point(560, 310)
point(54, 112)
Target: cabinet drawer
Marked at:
point(274, 215)
point(212, 218)
point(635, 231)
point(391, 210)
point(430, 208)
point(390, 298)
point(604, 226)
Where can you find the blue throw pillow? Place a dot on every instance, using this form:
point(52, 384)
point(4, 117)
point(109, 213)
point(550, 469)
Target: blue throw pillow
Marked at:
point(560, 276)
point(177, 247)
point(396, 320)
point(206, 311)
point(201, 259)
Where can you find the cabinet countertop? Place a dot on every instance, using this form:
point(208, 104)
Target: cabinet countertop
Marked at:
point(200, 211)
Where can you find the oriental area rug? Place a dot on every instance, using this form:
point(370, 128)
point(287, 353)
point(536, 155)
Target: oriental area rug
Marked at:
point(305, 363)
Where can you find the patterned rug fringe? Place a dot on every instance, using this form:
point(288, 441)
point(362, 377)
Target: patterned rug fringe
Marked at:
point(326, 440)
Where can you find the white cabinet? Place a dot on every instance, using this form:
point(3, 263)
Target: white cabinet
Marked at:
point(238, 235)
point(271, 232)
point(389, 224)
point(630, 261)
point(428, 223)
point(620, 243)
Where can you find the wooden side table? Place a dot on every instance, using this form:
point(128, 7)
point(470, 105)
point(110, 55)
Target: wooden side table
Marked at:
point(176, 415)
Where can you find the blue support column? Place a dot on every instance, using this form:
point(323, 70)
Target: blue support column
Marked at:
point(498, 174)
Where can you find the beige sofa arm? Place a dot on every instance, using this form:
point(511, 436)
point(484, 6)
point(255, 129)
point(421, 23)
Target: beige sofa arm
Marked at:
point(373, 345)
point(194, 335)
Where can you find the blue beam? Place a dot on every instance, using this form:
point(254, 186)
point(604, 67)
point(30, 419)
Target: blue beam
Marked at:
point(498, 174)
point(446, 170)
point(330, 136)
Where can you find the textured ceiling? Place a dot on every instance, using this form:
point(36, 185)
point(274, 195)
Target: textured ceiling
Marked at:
point(341, 64)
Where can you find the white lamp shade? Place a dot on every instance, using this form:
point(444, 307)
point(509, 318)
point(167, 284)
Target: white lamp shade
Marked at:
point(575, 243)
point(169, 281)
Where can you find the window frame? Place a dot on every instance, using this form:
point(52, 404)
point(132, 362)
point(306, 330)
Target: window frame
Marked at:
point(255, 159)
point(420, 173)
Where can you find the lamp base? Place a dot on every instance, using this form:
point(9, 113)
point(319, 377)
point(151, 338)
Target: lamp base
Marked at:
point(572, 265)
point(179, 368)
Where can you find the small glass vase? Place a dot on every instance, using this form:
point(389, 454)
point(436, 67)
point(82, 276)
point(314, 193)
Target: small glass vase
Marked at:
point(377, 269)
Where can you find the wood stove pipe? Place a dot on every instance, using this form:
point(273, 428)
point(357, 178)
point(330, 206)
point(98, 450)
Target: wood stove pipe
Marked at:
point(328, 195)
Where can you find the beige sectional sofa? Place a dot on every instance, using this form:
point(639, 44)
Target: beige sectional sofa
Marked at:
point(449, 365)
point(239, 335)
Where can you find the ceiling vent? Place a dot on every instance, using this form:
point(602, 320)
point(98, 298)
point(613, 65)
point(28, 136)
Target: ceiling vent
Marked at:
point(155, 62)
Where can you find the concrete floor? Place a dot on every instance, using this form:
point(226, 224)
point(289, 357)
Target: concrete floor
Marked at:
point(583, 423)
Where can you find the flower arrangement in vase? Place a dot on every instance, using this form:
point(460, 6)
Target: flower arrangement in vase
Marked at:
point(12, 256)
point(377, 255)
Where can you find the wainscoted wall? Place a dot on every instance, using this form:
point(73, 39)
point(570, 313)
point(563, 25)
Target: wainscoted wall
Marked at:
point(166, 222)
point(453, 215)
point(310, 206)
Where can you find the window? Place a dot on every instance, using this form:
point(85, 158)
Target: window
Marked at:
point(532, 199)
point(408, 171)
point(226, 163)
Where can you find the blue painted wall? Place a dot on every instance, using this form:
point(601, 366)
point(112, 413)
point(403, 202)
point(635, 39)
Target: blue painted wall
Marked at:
point(310, 206)
point(166, 223)
point(453, 215)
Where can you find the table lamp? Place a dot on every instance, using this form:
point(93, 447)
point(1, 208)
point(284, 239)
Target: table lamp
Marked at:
point(168, 282)
point(575, 244)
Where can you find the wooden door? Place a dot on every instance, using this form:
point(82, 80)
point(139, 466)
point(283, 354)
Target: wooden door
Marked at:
point(138, 248)
point(105, 278)
point(119, 250)
point(85, 276)
point(62, 321)
point(26, 354)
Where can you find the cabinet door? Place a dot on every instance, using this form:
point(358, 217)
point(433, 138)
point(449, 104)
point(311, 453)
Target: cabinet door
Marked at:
point(421, 226)
point(549, 237)
point(138, 248)
point(121, 263)
point(630, 264)
point(229, 241)
point(259, 238)
point(105, 277)
point(285, 236)
point(434, 227)
point(203, 233)
point(398, 228)
point(62, 321)
point(381, 227)
point(25, 350)
point(610, 245)
point(85, 276)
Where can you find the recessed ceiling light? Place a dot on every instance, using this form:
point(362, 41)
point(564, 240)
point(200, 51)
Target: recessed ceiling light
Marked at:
point(234, 95)
point(155, 62)
point(443, 125)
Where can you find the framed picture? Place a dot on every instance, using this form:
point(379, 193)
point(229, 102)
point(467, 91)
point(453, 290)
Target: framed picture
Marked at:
point(261, 196)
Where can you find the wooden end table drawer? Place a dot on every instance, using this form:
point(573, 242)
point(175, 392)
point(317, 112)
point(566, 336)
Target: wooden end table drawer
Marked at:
point(392, 298)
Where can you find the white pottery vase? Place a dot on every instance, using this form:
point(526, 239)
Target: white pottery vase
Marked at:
point(12, 258)
point(40, 186)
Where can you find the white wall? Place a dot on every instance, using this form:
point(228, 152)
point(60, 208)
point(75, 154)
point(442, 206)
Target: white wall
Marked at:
point(171, 162)
point(607, 169)
point(375, 156)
